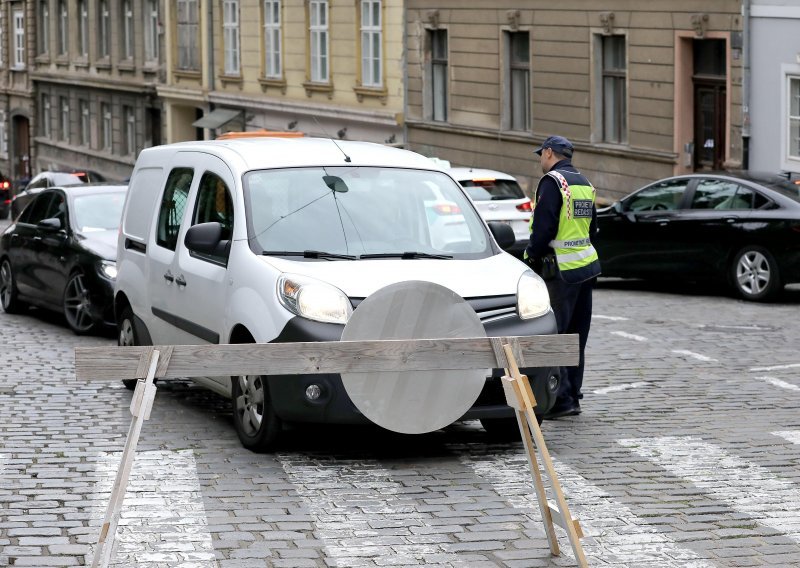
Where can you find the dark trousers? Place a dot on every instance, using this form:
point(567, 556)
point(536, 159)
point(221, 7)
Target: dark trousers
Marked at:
point(572, 306)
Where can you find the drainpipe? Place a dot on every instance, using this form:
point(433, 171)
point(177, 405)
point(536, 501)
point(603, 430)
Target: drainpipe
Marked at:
point(405, 76)
point(746, 84)
point(210, 34)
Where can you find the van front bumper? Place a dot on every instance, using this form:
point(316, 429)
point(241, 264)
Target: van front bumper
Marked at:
point(288, 392)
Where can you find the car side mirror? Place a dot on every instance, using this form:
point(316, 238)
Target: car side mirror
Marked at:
point(617, 207)
point(503, 234)
point(52, 224)
point(204, 238)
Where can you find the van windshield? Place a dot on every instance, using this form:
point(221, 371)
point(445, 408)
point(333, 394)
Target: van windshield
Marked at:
point(359, 211)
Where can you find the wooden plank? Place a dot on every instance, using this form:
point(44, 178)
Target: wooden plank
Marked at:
point(115, 363)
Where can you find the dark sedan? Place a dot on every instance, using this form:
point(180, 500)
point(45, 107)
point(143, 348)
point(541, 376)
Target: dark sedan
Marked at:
point(742, 229)
point(61, 253)
point(45, 180)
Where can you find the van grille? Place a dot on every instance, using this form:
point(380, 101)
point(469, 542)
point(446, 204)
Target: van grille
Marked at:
point(488, 308)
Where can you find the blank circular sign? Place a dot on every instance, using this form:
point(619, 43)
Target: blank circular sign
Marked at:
point(419, 401)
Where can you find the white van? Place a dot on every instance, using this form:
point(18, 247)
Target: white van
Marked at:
point(279, 239)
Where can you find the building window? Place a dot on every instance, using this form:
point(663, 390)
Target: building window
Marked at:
point(63, 28)
point(104, 39)
point(105, 117)
point(19, 39)
point(45, 119)
point(64, 119)
point(84, 108)
point(272, 39)
point(613, 90)
point(230, 28)
point(794, 118)
point(188, 29)
point(318, 15)
point(371, 44)
point(127, 30)
point(518, 57)
point(130, 129)
point(151, 30)
point(437, 46)
point(44, 27)
point(83, 29)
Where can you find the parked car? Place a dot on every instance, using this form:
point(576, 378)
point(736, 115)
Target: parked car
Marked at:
point(498, 197)
point(737, 228)
point(46, 180)
point(60, 254)
point(6, 194)
point(278, 240)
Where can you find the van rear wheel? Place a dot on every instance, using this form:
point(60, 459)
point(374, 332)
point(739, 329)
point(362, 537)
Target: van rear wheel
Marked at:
point(256, 423)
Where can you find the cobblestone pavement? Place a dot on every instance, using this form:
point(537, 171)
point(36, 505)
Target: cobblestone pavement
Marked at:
point(686, 454)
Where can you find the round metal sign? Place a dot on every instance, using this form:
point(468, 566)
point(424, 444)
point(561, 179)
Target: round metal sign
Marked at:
point(419, 401)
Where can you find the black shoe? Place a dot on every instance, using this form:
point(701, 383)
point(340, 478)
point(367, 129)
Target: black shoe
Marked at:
point(572, 408)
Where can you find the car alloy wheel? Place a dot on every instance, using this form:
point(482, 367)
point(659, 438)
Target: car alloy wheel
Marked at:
point(755, 274)
point(78, 305)
point(253, 416)
point(8, 289)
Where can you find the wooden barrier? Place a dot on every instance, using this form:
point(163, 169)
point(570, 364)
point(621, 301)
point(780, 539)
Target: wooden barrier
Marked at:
point(148, 363)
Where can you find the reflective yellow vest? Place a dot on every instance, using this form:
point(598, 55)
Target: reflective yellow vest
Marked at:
point(576, 257)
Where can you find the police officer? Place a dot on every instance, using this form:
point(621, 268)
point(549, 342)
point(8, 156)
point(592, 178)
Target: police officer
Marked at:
point(560, 250)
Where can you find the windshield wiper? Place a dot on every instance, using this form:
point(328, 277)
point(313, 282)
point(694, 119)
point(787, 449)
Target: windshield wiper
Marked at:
point(503, 197)
point(310, 254)
point(406, 255)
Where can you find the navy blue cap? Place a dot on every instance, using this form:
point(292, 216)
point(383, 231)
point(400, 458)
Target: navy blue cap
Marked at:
point(558, 144)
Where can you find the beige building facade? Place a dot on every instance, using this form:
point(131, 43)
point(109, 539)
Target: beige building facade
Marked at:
point(643, 91)
point(322, 67)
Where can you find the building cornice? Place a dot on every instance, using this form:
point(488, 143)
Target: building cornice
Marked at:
point(66, 146)
point(171, 92)
point(583, 145)
point(107, 84)
point(307, 108)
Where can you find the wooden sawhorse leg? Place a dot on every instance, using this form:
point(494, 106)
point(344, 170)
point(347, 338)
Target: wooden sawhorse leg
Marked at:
point(520, 397)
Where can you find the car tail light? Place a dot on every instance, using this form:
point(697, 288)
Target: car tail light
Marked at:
point(7, 201)
point(525, 207)
point(5, 185)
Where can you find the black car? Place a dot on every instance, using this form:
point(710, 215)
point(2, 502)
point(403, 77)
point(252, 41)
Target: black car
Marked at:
point(6, 195)
point(61, 253)
point(45, 180)
point(740, 228)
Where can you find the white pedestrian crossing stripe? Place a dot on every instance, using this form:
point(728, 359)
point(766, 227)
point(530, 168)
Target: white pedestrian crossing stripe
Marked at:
point(778, 383)
point(351, 501)
point(777, 367)
point(792, 436)
point(627, 335)
point(694, 355)
point(744, 486)
point(163, 519)
point(622, 387)
point(612, 530)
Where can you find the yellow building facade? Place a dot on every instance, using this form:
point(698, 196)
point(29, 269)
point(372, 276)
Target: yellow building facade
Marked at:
point(323, 67)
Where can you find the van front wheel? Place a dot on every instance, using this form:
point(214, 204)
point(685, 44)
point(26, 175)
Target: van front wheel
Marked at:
point(255, 420)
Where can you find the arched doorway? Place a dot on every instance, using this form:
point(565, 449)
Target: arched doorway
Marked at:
point(21, 140)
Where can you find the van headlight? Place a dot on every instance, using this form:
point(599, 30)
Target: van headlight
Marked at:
point(313, 299)
point(532, 297)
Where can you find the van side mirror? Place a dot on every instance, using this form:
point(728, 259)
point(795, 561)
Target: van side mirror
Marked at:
point(503, 234)
point(52, 224)
point(204, 238)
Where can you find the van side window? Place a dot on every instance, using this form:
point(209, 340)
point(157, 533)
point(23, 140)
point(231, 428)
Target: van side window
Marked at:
point(214, 205)
point(173, 205)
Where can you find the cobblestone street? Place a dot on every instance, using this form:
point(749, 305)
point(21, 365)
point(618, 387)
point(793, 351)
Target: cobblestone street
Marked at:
point(687, 454)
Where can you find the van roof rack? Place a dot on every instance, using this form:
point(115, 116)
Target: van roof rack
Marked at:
point(259, 134)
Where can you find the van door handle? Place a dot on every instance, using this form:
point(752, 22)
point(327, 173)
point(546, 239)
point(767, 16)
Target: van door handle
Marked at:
point(168, 276)
point(180, 281)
